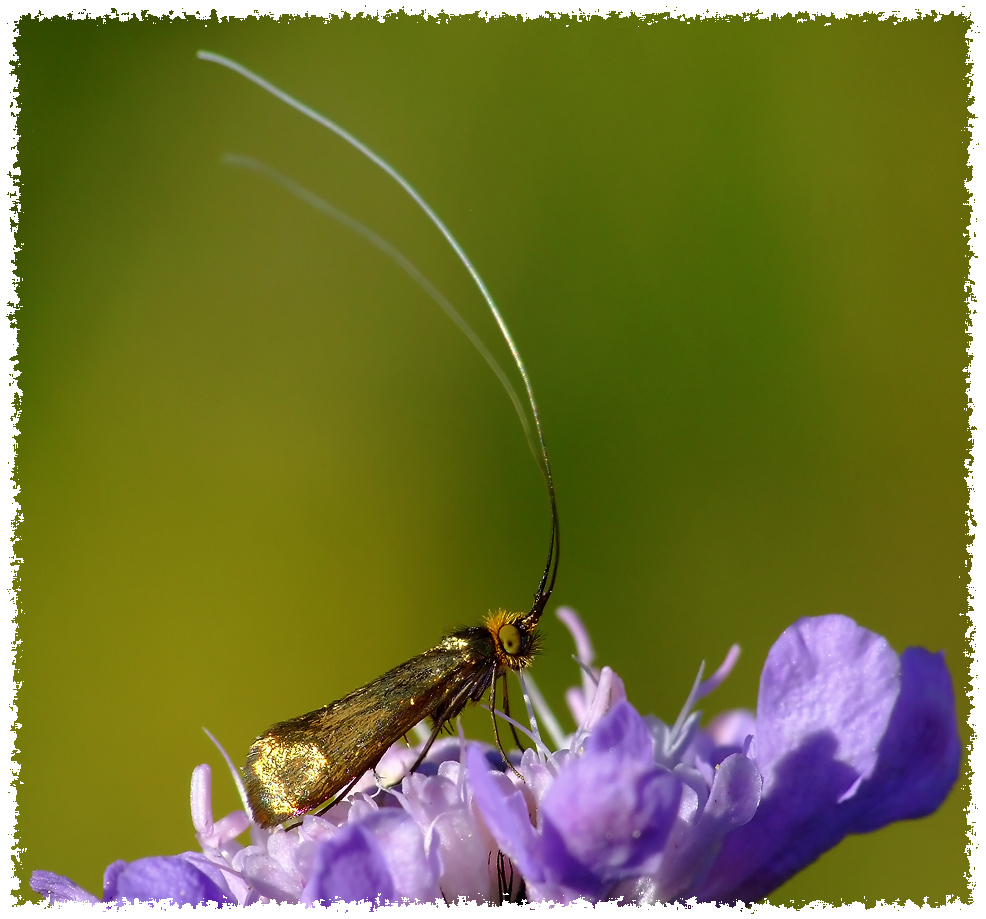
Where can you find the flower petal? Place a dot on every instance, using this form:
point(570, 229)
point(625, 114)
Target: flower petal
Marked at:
point(828, 677)
point(623, 732)
point(504, 810)
point(162, 877)
point(609, 812)
point(607, 692)
point(349, 867)
point(413, 871)
point(920, 753)
point(59, 889)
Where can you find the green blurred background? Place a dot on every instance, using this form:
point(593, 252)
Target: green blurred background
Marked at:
point(259, 467)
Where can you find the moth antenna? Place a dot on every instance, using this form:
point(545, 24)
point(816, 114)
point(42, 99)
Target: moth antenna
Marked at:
point(539, 450)
point(396, 256)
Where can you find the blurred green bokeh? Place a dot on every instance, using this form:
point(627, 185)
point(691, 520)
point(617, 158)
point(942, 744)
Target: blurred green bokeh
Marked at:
point(259, 467)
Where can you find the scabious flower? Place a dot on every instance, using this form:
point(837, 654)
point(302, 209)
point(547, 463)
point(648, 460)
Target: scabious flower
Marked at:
point(847, 737)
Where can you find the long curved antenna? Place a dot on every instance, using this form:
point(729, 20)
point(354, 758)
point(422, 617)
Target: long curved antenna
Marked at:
point(401, 260)
point(554, 547)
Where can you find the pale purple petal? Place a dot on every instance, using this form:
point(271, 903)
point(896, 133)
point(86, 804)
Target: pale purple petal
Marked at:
point(425, 797)
point(735, 793)
point(725, 668)
point(219, 835)
point(539, 774)
point(578, 698)
point(59, 889)
point(349, 867)
point(605, 694)
point(441, 806)
point(694, 843)
point(623, 733)
point(826, 676)
point(609, 811)
point(110, 875)
point(266, 876)
point(161, 877)
point(504, 810)
point(575, 699)
point(413, 871)
point(580, 634)
point(278, 866)
point(465, 846)
point(730, 729)
point(393, 766)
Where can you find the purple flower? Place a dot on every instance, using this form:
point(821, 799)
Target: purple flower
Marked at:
point(847, 737)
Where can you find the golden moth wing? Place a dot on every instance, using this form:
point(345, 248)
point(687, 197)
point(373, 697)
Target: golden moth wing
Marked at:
point(299, 764)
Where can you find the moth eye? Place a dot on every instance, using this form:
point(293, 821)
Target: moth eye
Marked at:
point(509, 636)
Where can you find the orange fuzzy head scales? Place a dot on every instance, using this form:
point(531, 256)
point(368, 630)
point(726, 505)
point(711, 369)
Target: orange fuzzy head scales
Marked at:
point(514, 637)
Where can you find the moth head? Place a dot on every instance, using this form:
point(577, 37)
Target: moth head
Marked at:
point(515, 639)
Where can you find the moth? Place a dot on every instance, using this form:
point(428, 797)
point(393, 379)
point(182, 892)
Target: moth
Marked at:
point(307, 763)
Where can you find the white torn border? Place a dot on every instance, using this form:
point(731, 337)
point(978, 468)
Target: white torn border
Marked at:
point(764, 10)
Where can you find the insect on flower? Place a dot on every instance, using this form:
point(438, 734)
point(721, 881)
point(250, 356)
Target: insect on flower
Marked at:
point(305, 763)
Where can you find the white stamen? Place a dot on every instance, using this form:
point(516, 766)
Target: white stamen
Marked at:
point(551, 723)
point(587, 670)
point(460, 783)
point(725, 668)
point(535, 738)
point(237, 778)
point(420, 732)
point(693, 697)
point(530, 712)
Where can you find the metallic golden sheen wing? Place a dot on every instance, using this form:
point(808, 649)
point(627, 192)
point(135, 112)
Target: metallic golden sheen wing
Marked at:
point(302, 763)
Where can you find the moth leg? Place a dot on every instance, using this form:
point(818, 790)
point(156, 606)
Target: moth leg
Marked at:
point(506, 711)
point(496, 727)
point(432, 737)
point(322, 808)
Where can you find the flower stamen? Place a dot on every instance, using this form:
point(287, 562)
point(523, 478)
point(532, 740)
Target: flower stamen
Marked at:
point(544, 712)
